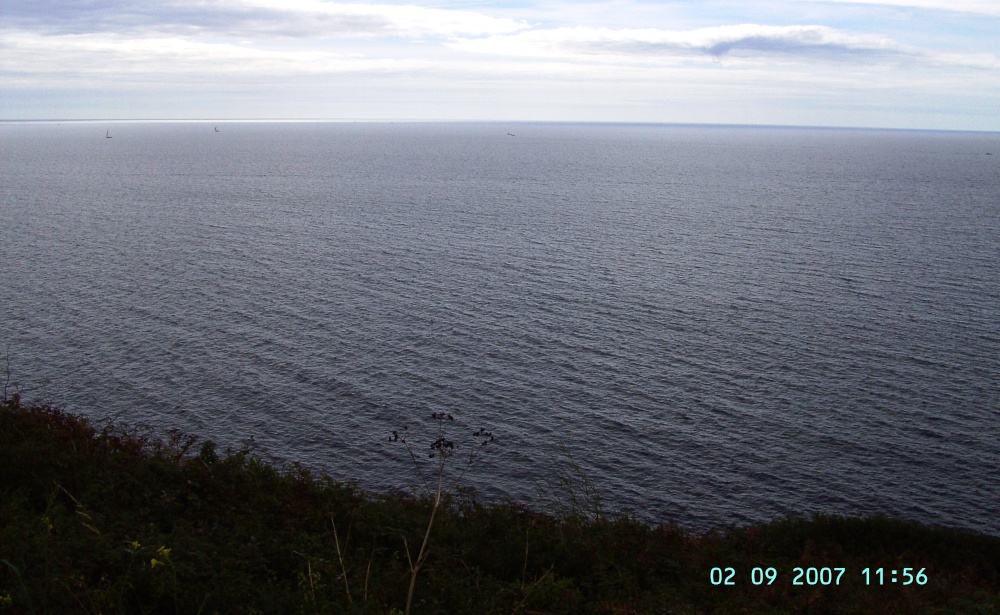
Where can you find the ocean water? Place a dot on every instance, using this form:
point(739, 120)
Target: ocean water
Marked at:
point(717, 324)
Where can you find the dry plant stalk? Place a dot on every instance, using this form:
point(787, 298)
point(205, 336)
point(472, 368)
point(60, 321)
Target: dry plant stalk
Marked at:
point(442, 449)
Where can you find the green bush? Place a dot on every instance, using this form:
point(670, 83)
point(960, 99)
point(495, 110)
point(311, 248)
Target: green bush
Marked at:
point(113, 520)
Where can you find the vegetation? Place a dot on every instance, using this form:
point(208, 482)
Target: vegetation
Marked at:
point(111, 520)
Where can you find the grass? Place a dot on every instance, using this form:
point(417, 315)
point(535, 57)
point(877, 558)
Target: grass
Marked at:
point(112, 520)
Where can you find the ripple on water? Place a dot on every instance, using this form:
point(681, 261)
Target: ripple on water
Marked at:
point(714, 336)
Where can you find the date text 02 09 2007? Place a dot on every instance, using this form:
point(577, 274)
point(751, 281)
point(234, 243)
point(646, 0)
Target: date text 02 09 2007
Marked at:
point(822, 576)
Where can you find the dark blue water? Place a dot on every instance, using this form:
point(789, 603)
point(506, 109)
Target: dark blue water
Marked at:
point(720, 325)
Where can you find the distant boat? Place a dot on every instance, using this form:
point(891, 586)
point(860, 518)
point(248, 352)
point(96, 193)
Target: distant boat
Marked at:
point(510, 134)
point(108, 135)
point(216, 129)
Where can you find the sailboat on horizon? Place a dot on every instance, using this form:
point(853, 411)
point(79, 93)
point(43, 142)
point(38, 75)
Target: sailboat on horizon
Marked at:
point(108, 135)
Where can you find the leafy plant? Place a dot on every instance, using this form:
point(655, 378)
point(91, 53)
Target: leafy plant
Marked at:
point(114, 520)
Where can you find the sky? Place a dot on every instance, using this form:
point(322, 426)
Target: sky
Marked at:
point(919, 64)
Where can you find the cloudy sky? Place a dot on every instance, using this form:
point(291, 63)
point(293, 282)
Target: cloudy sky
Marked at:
point(880, 63)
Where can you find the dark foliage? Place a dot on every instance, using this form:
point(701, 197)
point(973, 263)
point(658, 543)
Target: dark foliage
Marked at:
point(112, 520)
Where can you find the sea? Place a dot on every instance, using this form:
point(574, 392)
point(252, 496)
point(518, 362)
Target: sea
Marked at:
point(707, 325)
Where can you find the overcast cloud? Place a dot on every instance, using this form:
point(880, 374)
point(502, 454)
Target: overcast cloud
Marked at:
point(976, 7)
point(898, 63)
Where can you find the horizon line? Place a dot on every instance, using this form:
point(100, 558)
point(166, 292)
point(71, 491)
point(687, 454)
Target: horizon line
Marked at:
point(264, 120)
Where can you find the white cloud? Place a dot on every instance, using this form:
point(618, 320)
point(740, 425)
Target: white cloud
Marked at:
point(801, 43)
point(95, 55)
point(252, 18)
point(409, 19)
point(975, 7)
point(609, 59)
point(651, 43)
